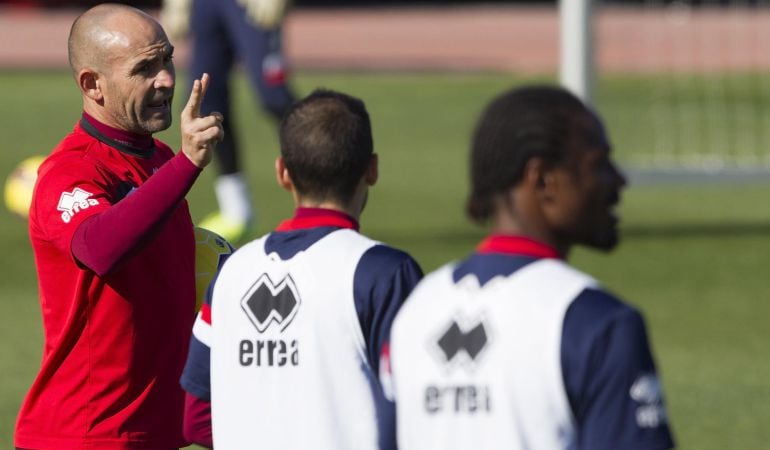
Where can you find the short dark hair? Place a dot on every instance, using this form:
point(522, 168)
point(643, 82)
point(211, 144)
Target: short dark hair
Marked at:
point(326, 144)
point(516, 126)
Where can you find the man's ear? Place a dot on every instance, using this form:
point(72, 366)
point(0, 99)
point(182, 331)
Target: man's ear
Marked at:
point(372, 170)
point(282, 175)
point(540, 178)
point(90, 85)
point(534, 174)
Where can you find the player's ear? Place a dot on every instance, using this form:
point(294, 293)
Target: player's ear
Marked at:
point(534, 173)
point(540, 178)
point(282, 175)
point(90, 84)
point(372, 170)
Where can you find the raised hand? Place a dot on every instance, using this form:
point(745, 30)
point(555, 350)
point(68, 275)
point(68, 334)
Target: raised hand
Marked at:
point(200, 135)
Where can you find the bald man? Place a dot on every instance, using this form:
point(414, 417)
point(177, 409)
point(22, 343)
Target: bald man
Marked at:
point(114, 246)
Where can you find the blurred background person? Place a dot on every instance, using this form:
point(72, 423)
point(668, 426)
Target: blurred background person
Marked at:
point(512, 347)
point(223, 33)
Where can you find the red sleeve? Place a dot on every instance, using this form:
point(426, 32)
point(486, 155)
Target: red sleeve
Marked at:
point(103, 240)
point(69, 190)
point(197, 421)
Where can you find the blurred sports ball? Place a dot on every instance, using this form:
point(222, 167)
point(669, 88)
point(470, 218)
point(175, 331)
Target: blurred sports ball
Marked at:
point(19, 186)
point(211, 251)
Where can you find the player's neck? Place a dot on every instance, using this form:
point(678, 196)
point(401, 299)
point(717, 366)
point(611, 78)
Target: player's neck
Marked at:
point(518, 213)
point(355, 213)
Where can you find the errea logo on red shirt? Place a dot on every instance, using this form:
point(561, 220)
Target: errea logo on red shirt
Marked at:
point(70, 203)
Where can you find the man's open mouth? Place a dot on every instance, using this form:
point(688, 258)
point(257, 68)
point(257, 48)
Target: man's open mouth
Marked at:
point(159, 104)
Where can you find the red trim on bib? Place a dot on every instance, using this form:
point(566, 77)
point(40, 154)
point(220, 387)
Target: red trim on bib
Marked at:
point(516, 245)
point(206, 313)
point(318, 217)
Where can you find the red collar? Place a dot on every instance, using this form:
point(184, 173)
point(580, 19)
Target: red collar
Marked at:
point(516, 245)
point(318, 217)
point(140, 141)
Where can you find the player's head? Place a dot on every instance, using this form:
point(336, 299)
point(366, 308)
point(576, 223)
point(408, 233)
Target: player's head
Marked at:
point(540, 163)
point(121, 59)
point(327, 148)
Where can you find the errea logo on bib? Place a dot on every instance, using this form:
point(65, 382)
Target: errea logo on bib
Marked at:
point(70, 203)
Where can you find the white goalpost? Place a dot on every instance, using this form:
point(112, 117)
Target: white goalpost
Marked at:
point(701, 70)
point(576, 56)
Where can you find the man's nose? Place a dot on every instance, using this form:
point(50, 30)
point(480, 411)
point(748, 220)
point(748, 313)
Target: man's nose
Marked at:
point(164, 79)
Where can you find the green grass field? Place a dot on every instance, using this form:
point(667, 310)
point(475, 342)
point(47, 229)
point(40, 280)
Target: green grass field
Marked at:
point(693, 256)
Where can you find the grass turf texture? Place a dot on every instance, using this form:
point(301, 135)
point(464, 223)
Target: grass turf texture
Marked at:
point(692, 258)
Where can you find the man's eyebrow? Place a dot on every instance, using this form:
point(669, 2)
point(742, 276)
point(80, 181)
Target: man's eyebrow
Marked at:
point(168, 50)
point(143, 61)
point(154, 56)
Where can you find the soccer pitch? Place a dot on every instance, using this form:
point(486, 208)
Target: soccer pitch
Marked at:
point(692, 258)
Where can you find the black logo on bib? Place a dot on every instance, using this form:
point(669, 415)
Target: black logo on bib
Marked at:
point(267, 302)
point(461, 342)
point(455, 341)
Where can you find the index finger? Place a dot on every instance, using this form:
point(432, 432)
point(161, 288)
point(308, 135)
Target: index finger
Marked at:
point(193, 108)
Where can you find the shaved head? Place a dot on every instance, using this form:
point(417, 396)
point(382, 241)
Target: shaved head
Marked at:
point(103, 28)
point(123, 65)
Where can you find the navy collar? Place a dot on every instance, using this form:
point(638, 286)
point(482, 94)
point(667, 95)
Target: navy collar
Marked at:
point(140, 145)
